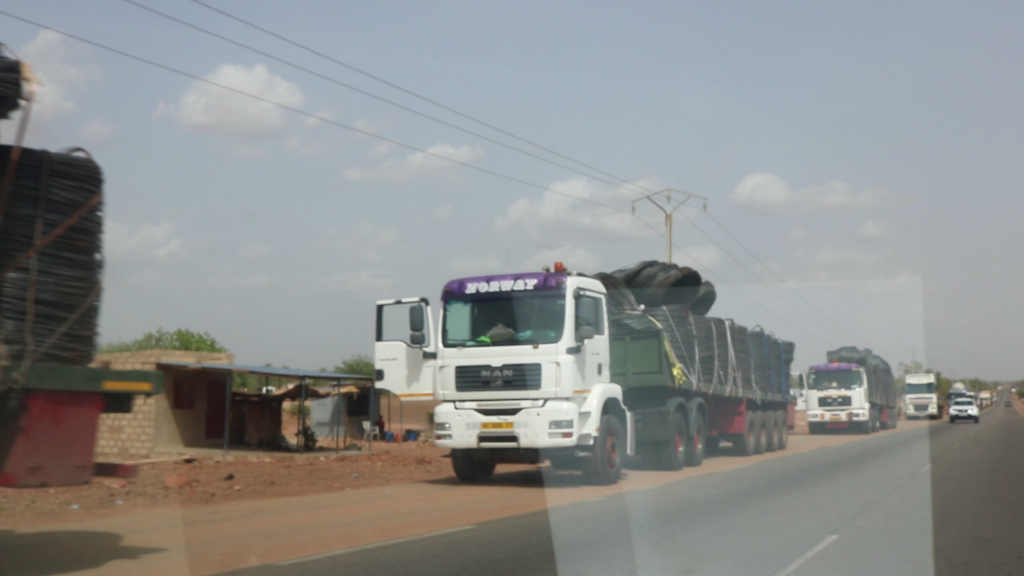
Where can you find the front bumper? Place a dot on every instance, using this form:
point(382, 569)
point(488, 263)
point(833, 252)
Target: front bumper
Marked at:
point(463, 427)
point(966, 415)
point(827, 416)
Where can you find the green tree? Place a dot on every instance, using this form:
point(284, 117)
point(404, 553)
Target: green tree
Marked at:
point(180, 339)
point(359, 364)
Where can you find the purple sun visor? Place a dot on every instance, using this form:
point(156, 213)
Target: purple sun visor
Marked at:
point(503, 284)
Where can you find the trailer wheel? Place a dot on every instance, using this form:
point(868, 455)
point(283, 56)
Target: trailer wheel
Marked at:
point(695, 455)
point(783, 438)
point(743, 444)
point(605, 463)
point(672, 454)
point(471, 468)
point(771, 431)
point(759, 432)
point(875, 419)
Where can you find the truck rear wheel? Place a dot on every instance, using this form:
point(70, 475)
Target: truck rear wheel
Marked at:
point(605, 463)
point(672, 453)
point(875, 420)
point(743, 444)
point(771, 429)
point(759, 432)
point(695, 455)
point(469, 467)
point(783, 438)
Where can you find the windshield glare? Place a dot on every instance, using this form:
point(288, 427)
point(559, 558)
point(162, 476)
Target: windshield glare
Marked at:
point(927, 388)
point(508, 320)
point(834, 380)
point(964, 402)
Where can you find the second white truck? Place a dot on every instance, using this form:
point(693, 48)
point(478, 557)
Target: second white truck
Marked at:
point(922, 397)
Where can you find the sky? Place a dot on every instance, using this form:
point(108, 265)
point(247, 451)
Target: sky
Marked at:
point(860, 162)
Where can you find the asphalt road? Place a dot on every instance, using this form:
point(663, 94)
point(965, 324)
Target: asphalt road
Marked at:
point(939, 499)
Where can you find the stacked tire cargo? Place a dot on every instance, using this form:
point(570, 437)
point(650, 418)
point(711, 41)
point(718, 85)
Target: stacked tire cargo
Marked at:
point(882, 388)
point(51, 261)
point(712, 351)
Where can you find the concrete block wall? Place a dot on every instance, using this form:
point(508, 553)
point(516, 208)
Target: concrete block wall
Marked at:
point(131, 436)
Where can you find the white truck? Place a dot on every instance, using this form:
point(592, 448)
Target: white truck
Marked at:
point(855, 390)
point(542, 366)
point(922, 396)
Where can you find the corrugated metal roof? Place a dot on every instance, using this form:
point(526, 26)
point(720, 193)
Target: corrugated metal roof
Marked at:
point(269, 371)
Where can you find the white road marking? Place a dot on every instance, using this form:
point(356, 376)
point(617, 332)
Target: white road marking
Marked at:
point(807, 555)
point(377, 545)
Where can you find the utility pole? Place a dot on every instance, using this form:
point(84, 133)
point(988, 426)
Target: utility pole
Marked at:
point(669, 209)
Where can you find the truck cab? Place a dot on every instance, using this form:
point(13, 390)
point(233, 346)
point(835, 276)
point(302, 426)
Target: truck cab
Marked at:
point(837, 397)
point(520, 364)
point(921, 394)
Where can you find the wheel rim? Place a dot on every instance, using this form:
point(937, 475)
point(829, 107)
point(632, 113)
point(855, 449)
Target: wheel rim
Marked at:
point(680, 445)
point(611, 450)
point(698, 441)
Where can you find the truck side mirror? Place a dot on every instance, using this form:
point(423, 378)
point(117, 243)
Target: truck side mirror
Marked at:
point(416, 321)
point(584, 333)
point(417, 338)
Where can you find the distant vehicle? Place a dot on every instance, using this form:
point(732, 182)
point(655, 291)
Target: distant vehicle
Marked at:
point(964, 409)
point(1008, 404)
point(921, 397)
point(855, 390)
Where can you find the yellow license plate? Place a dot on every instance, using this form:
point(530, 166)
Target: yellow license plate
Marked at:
point(496, 426)
point(836, 417)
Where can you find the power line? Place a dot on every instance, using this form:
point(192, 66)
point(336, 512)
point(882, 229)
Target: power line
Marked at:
point(308, 114)
point(372, 95)
point(620, 181)
point(384, 139)
point(779, 278)
point(412, 93)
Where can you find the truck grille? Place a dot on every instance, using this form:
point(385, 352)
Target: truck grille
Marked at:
point(834, 401)
point(497, 378)
point(920, 407)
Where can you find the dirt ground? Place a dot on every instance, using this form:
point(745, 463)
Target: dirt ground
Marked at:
point(253, 475)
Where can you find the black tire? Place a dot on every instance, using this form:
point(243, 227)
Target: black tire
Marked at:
point(743, 444)
point(469, 467)
point(672, 454)
point(783, 439)
point(605, 463)
point(977, 419)
point(952, 420)
point(771, 431)
point(695, 455)
point(759, 432)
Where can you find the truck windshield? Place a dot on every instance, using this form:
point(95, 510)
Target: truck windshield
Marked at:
point(507, 320)
point(847, 380)
point(926, 388)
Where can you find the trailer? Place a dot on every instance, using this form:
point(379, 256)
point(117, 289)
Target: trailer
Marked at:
point(568, 368)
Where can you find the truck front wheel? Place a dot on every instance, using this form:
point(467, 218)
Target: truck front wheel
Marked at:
point(605, 463)
point(672, 453)
point(469, 467)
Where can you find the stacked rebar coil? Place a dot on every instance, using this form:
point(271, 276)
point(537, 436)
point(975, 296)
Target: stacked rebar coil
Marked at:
point(882, 387)
point(711, 351)
point(50, 256)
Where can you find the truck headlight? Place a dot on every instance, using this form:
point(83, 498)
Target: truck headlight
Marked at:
point(442, 426)
point(560, 425)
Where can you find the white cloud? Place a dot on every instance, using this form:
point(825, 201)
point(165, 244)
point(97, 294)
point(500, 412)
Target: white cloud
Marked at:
point(766, 192)
point(210, 108)
point(365, 242)
point(122, 242)
point(96, 131)
point(698, 257)
point(441, 212)
point(828, 256)
point(474, 265)
point(60, 74)
point(246, 151)
point(359, 281)
point(555, 212)
point(254, 250)
point(296, 145)
point(578, 259)
point(797, 234)
point(381, 149)
point(871, 230)
point(416, 164)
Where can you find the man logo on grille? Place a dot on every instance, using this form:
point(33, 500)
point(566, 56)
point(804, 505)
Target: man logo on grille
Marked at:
point(497, 373)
